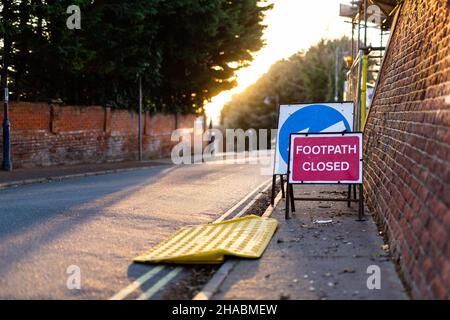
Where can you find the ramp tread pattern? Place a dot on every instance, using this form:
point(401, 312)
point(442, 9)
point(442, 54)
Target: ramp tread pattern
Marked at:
point(245, 237)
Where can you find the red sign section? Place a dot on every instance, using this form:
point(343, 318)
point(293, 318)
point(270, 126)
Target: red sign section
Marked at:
point(326, 158)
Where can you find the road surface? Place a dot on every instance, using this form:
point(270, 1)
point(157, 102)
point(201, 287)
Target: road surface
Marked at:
point(98, 224)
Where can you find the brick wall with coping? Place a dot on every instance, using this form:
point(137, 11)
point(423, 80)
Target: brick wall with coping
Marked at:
point(407, 147)
point(44, 134)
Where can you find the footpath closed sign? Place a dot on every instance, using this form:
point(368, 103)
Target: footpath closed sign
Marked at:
point(309, 118)
point(325, 158)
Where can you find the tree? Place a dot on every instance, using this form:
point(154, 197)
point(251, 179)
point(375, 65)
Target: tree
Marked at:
point(97, 64)
point(186, 51)
point(199, 40)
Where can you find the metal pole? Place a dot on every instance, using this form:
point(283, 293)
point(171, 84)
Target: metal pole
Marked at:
point(291, 190)
point(381, 36)
point(358, 45)
point(361, 203)
point(353, 41)
point(336, 76)
point(357, 117)
point(286, 215)
point(140, 119)
point(364, 65)
point(277, 105)
point(349, 195)
point(272, 198)
point(365, 23)
point(7, 165)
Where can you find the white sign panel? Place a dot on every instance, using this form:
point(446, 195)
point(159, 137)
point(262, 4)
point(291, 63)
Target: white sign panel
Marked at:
point(309, 118)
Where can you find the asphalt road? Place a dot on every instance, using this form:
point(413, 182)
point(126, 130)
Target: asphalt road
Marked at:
point(100, 223)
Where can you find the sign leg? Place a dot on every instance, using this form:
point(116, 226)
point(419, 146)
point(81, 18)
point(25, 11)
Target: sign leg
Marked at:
point(349, 195)
point(291, 190)
point(282, 186)
point(361, 203)
point(274, 181)
point(287, 203)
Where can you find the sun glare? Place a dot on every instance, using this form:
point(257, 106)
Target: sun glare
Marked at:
point(292, 25)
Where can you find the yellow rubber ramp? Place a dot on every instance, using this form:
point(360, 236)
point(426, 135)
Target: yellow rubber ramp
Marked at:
point(245, 237)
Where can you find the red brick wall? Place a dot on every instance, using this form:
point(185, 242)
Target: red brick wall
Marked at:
point(43, 134)
point(407, 137)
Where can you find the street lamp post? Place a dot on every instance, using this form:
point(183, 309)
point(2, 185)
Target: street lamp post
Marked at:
point(140, 119)
point(336, 76)
point(7, 165)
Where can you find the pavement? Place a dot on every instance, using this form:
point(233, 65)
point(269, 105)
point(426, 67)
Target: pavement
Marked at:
point(311, 261)
point(24, 176)
point(100, 223)
point(116, 211)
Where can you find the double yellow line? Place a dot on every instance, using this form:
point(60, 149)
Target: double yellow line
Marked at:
point(149, 293)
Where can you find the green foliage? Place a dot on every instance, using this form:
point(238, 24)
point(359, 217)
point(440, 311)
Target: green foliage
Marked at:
point(199, 40)
point(182, 49)
point(304, 78)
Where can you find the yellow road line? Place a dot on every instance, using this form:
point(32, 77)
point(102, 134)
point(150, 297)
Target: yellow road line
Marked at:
point(270, 209)
point(251, 203)
point(136, 283)
point(237, 205)
point(161, 283)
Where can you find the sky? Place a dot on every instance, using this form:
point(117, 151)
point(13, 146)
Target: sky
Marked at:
point(292, 25)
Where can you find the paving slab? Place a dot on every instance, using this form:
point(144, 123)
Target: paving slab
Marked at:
point(307, 260)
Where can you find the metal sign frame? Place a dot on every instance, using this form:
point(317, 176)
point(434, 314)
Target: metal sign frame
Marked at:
point(333, 105)
point(274, 176)
point(290, 199)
